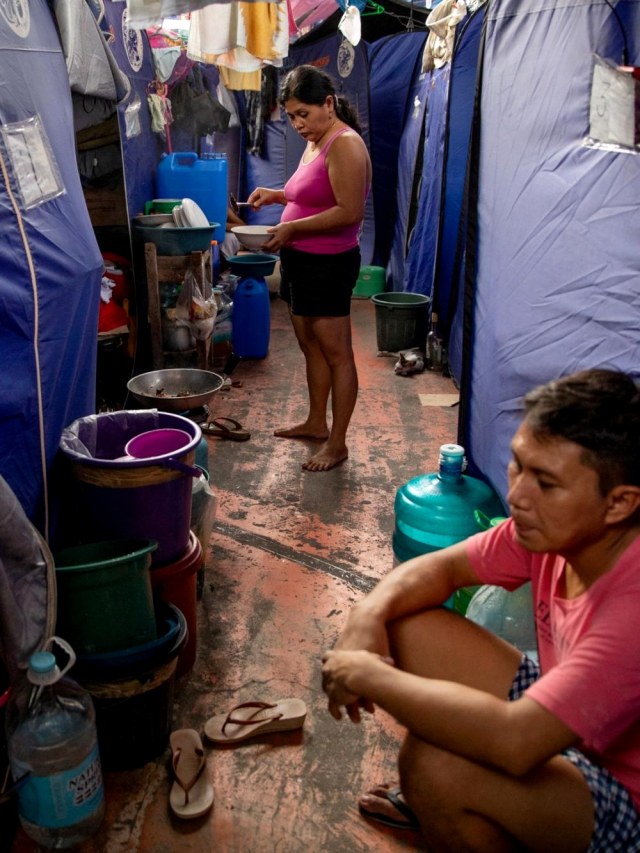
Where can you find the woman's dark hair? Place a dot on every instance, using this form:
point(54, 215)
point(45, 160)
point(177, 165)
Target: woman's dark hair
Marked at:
point(310, 85)
point(599, 410)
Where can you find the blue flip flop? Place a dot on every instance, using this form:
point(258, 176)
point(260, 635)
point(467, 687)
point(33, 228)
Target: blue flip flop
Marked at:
point(410, 820)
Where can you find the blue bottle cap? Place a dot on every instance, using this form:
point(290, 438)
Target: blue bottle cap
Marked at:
point(42, 662)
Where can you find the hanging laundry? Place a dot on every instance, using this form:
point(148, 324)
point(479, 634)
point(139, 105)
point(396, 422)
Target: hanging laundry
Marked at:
point(242, 36)
point(195, 110)
point(151, 13)
point(259, 106)
point(91, 65)
point(160, 112)
point(241, 81)
point(442, 22)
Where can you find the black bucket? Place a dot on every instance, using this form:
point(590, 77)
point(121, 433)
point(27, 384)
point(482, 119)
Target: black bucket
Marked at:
point(132, 692)
point(401, 321)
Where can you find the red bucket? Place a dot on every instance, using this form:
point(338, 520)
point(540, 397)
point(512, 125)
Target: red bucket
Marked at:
point(176, 583)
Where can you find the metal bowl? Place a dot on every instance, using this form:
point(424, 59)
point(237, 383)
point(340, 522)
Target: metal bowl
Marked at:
point(175, 389)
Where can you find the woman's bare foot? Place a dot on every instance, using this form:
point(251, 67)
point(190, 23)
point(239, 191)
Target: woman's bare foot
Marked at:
point(385, 804)
point(305, 430)
point(326, 459)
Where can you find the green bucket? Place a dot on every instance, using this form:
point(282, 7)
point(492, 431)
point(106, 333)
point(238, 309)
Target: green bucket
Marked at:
point(105, 599)
point(370, 281)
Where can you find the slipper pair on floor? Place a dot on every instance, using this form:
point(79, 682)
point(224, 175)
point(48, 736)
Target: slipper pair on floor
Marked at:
point(191, 794)
point(226, 428)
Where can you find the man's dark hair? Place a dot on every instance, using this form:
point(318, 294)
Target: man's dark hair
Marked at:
point(599, 410)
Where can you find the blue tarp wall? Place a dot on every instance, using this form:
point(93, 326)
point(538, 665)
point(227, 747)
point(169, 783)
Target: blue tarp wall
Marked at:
point(553, 278)
point(50, 265)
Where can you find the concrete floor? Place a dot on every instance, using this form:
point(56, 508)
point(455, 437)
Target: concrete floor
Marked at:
point(290, 552)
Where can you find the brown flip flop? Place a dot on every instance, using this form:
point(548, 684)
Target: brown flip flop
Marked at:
point(226, 428)
point(191, 794)
point(256, 718)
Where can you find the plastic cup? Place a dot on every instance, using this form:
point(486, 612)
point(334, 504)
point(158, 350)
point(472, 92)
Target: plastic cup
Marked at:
point(157, 442)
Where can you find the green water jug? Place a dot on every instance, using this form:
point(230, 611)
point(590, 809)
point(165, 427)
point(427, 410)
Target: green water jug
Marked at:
point(433, 511)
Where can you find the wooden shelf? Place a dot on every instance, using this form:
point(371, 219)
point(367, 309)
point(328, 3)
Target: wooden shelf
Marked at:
point(167, 269)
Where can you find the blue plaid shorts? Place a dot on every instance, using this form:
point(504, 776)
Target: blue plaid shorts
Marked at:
point(617, 820)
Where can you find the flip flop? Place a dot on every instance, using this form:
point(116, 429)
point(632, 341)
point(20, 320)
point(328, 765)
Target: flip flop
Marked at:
point(256, 718)
point(220, 429)
point(191, 794)
point(393, 795)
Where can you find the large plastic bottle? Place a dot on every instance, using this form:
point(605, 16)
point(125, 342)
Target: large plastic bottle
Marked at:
point(436, 510)
point(251, 318)
point(507, 614)
point(53, 755)
point(183, 174)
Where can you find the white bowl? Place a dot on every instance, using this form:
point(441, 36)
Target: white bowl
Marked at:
point(252, 236)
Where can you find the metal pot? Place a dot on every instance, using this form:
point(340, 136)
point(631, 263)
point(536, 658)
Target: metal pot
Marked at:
point(175, 389)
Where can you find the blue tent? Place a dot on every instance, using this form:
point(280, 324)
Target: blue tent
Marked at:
point(552, 266)
point(50, 265)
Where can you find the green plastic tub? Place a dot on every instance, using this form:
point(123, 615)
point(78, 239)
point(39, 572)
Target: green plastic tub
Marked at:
point(105, 599)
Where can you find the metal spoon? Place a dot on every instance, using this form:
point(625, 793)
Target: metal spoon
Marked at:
point(235, 205)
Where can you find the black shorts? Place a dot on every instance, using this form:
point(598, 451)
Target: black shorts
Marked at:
point(319, 285)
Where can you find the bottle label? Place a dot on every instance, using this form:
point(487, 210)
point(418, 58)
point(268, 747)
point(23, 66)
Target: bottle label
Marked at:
point(62, 799)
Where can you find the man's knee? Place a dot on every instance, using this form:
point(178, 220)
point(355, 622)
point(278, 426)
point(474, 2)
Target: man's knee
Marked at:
point(441, 643)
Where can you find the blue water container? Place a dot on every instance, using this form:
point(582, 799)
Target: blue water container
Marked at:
point(251, 318)
point(436, 510)
point(183, 174)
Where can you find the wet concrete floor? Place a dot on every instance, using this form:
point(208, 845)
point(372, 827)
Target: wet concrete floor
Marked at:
point(289, 553)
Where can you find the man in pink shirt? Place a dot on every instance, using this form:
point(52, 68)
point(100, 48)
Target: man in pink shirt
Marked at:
point(500, 755)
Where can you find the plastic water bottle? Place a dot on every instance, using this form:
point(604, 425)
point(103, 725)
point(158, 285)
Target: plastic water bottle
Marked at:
point(53, 755)
point(507, 614)
point(435, 510)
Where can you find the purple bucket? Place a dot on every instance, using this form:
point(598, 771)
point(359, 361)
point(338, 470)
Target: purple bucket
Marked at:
point(116, 496)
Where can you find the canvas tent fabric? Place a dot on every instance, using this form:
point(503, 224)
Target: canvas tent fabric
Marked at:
point(421, 251)
point(460, 103)
point(557, 266)
point(409, 173)
point(50, 265)
point(141, 148)
point(392, 62)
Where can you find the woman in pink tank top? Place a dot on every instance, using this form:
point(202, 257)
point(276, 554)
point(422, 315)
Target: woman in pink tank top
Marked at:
point(317, 238)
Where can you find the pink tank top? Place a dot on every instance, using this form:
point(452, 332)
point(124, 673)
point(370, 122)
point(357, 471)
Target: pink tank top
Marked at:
point(309, 191)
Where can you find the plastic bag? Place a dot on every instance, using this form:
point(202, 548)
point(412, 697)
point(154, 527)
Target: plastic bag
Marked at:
point(204, 504)
point(507, 614)
point(193, 307)
point(614, 115)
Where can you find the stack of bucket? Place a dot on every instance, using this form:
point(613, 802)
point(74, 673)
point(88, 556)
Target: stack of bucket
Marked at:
point(127, 593)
